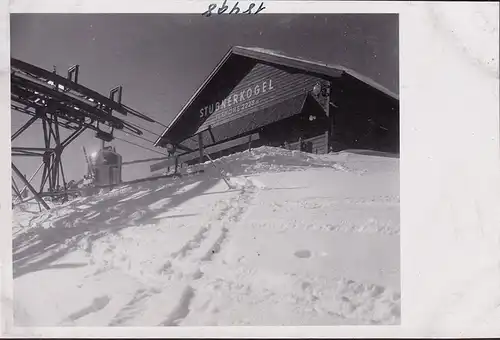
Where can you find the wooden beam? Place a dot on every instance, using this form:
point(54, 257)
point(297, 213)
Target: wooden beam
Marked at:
point(184, 148)
point(327, 142)
point(163, 164)
point(144, 160)
point(211, 134)
point(209, 150)
point(200, 146)
point(147, 179)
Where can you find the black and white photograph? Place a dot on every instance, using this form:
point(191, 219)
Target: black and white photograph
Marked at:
point(194, 170)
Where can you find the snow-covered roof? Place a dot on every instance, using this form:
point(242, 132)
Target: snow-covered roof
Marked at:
point(331, 67)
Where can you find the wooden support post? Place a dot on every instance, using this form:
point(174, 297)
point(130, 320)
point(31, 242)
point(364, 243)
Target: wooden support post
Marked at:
point(211, 133)
point(329, 131)
point(249, 142)
point(176, 164)
point(327, 146)
point(200, 145)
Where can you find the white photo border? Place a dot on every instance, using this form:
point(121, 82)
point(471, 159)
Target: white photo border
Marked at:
point(450, 169)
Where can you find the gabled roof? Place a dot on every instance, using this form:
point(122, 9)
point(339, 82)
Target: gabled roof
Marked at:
point(308, 65)
point(279, 58)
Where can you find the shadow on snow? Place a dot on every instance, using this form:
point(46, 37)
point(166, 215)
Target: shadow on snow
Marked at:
point(93, 217)
point(40, 247)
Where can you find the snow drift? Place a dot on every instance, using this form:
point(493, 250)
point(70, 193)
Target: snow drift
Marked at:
point(299, 239)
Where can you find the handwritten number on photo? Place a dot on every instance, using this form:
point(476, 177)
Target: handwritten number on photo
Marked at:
point(235, 10)
point(211, 7)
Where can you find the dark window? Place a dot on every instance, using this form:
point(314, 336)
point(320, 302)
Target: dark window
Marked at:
point(110, 158)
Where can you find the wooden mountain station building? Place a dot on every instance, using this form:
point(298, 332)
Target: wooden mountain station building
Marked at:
point(260, 97)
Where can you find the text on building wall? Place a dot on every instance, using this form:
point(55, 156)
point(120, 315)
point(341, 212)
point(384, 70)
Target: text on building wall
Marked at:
point(239, 100)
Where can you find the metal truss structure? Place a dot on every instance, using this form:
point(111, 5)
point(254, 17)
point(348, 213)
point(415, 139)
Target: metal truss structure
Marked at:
point(60, 103)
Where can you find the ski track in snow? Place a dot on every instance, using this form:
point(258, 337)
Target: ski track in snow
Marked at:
point(134, 306)
point(229, 215)
point(182, 308)
point(184, 287)
point(349, 301)
point(201, 248)
point(97, 304)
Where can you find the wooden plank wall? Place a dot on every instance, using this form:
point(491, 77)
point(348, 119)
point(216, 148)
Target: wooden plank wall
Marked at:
point(320, 144)
point(285, 86)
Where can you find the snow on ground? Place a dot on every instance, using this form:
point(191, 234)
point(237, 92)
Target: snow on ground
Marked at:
point(299, 239)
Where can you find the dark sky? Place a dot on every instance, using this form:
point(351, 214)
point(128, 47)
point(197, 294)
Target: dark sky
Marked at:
point(161, 59)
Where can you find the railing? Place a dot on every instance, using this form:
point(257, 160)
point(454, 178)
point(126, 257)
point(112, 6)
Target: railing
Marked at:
point(319, 144)
point(179, 160)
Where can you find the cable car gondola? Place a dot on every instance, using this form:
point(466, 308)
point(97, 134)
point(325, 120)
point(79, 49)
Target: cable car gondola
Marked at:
point(107, 166)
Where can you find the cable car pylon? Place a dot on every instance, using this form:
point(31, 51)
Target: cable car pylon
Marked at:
point(61, 102)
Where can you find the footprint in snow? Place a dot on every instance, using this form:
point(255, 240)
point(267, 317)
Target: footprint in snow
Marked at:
point(96, 305)
point(303, 254)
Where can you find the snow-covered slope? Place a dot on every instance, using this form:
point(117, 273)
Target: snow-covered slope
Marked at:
point(299, 239)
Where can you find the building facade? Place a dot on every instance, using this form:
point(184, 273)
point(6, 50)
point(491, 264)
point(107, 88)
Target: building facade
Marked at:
point(280, 100)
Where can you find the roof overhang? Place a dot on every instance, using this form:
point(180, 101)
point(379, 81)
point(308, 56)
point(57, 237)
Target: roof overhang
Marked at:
point(193, 97)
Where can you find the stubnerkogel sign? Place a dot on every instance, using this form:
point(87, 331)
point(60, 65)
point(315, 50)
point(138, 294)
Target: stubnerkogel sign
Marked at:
point(238, 101)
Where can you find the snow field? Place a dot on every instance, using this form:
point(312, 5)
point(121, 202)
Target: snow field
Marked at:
point(299, 239)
